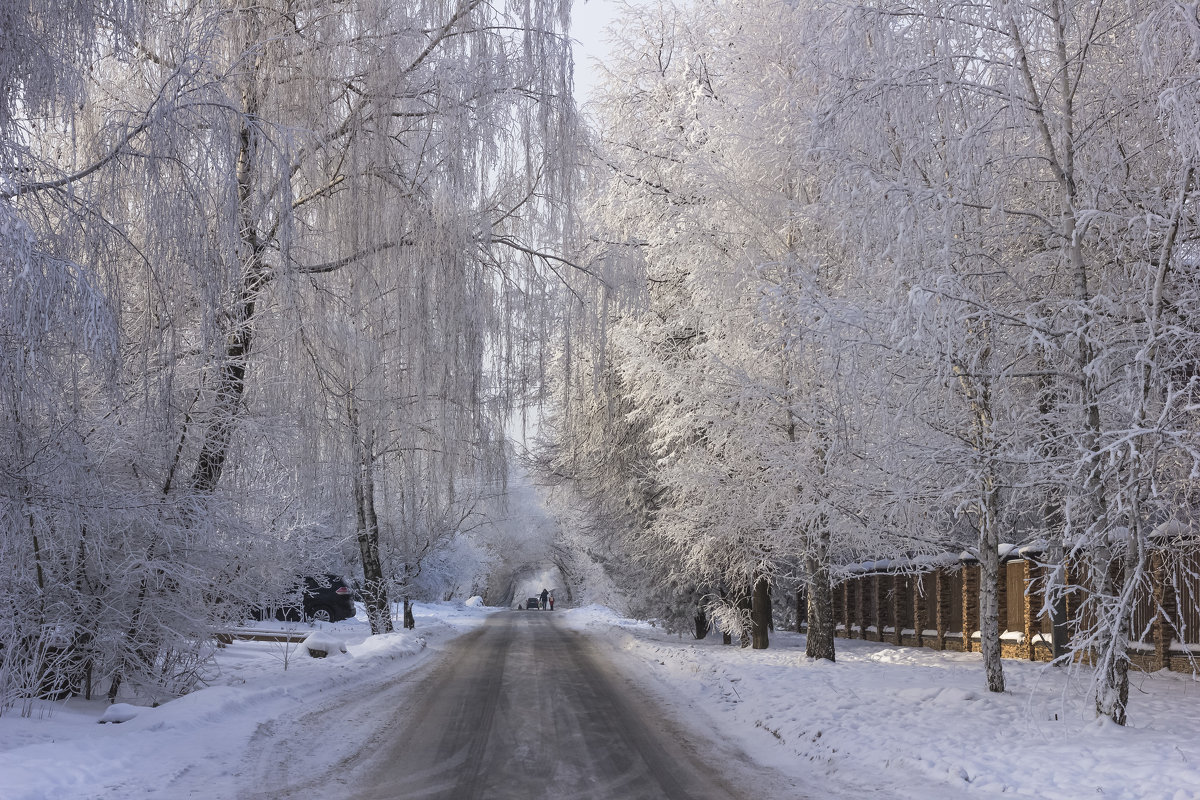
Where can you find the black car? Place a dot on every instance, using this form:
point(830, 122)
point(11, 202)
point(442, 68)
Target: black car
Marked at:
point(327, 598)
point(324, 598)
point(532, 603)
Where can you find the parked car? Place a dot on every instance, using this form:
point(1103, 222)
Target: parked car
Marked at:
point(532, 604)
point(327, 598)
point(323, 598)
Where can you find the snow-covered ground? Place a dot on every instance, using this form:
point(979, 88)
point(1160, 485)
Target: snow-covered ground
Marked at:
point(916, 722)
point(885, 721)
point(198, 741)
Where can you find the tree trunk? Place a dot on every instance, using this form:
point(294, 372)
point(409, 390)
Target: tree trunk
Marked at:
point(367, 528)
point(726, 636)
point(770, 608)
point(760, 613)
point(745, 604)
point(1052, 519)
point(1112, 613)
point(701, 620)
point(1056, 595)
point(231, 375)
point(819, 643)
point(979, 394)
point(231, 384)
point(989, 605)
point(1124, 580)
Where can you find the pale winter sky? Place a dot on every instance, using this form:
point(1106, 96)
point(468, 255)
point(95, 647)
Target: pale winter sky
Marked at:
point(588, 20)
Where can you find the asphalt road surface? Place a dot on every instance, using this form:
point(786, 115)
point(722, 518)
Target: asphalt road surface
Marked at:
point(520, 708)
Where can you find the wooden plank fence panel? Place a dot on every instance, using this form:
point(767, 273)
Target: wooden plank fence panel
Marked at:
point(1013, 574)
point(1186, 577)
point(879, 608)
point(1144, 612)
point(946, 601)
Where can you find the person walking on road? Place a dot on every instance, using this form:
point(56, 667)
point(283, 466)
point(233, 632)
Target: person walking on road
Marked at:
point(545, 594)
point(552, 601)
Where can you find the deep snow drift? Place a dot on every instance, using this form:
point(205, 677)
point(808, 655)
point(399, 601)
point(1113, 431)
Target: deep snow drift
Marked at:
point(888, 721)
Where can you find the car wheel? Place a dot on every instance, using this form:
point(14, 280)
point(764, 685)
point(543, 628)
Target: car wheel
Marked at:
point(322, 615)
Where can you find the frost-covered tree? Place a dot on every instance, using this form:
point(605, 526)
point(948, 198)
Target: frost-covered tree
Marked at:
point(175, 197)
point(928, 225)
point(948, 249)
point(1105, 196)
point(87, 532)
point(1120, 211)
point(1037, 201)
point(735, 371)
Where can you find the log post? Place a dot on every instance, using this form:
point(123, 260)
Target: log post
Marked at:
point(1166, 605)
point(844, 597)
point(860, 587)
point(970, 605)
point(899, 599)
point(920, 605)
point(1030, 606)
point(942, 599)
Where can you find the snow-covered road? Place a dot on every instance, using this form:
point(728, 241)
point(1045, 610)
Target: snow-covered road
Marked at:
point(584, 703)
point(520, 708)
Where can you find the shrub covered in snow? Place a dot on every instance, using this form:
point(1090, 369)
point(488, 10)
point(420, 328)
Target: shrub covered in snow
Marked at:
point(322, 643)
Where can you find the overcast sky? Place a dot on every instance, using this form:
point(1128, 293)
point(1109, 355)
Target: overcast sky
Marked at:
point(588, 20)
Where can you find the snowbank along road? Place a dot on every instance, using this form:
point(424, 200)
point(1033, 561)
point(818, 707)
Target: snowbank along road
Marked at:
point(519, 708)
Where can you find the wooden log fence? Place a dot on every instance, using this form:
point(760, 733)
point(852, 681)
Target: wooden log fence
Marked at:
point(937, 606)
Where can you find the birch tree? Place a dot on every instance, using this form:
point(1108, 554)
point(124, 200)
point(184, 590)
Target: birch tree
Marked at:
point(1043, 176)
point(184, 203)
point(735, 367)
point(1114, 197)
point(910, 117)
